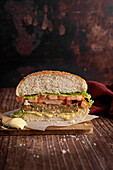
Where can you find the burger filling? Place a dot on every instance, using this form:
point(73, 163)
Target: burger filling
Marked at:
point(61, 105)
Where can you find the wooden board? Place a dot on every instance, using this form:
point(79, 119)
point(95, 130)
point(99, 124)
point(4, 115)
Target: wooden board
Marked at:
point(81, 128)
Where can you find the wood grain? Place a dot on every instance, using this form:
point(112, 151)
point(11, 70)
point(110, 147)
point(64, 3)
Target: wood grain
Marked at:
point(59, 152)
point(46, 132)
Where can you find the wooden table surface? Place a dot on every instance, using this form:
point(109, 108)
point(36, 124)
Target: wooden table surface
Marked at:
point(62, 152)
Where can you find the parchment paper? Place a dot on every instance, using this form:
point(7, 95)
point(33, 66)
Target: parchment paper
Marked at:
point(42, 125)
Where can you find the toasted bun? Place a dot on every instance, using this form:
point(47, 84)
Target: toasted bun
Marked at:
point(50, 82)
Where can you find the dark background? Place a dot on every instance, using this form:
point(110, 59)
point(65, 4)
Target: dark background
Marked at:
point(68, 35)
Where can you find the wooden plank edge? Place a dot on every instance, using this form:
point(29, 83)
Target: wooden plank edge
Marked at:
point(47, 132)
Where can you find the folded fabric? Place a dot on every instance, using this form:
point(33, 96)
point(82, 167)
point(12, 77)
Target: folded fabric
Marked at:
point(103, 98)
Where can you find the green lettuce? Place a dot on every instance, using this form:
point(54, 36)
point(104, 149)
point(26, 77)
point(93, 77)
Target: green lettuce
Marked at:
point(30, 97)
point(17, 114)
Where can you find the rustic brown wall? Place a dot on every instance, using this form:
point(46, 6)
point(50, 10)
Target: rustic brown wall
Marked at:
point(69, 35)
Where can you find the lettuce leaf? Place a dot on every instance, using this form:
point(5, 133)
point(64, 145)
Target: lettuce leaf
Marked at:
point(88, 97)
point(30, 97)
point(17, 114)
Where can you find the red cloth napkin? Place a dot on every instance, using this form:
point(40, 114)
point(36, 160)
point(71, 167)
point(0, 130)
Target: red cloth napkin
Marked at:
point(103, 98)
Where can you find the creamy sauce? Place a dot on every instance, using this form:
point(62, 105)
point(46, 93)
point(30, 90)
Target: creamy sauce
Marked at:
point(16, 123)
point(34, 112)
point(65, 116)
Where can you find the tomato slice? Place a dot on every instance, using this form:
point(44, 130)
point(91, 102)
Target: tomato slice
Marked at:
point(75, 97)
point(43, 96)
point(84, 104)
point(20, 99)
point(33, 100)
point(48, 101)
point(62, 97)
point(53, 97)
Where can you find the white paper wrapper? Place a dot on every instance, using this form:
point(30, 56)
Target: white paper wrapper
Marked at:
point(42, 125)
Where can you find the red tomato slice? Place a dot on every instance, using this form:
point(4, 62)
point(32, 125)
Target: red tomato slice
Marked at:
point(62, 97)
point(53, 97)
point(75, 97)
point(79, 97)
point(32, 100)
point(48, 101)
point(43, 96)
point(84, 104)
point(19, 99)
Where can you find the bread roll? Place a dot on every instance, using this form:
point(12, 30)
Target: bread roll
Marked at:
point(50, 82)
